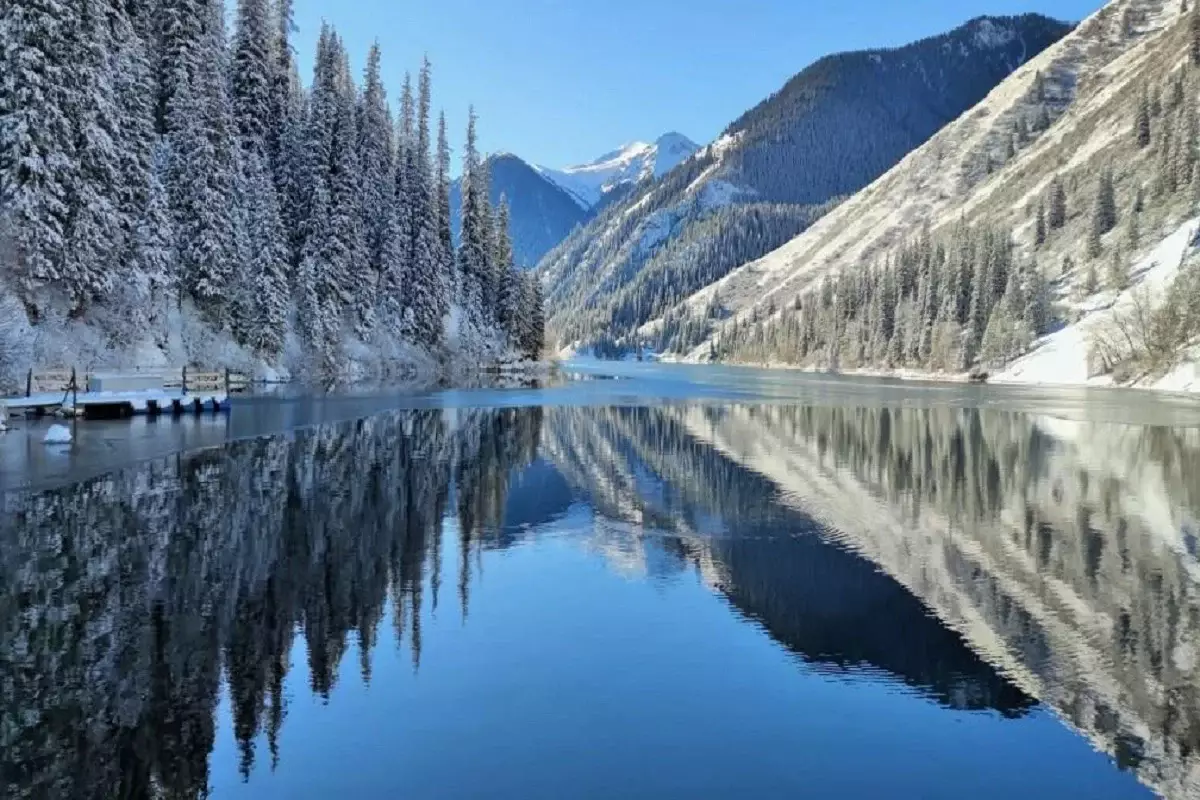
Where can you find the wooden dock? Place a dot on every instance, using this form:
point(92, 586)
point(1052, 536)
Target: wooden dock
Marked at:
point(114, 394)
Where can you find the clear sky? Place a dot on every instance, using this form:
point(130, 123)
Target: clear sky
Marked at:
point(560, 82)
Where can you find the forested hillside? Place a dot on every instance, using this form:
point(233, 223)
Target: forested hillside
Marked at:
point(541, 213)
point(828, 132)
point(171, 194)
point(1048, 235)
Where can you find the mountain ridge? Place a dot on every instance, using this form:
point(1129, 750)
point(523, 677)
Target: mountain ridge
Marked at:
point(589, 183)
point(1094, 223)
point(826, 133)
point(540, 212)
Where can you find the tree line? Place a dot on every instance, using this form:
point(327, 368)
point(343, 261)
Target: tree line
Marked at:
point(941, 303)
point(152, 168)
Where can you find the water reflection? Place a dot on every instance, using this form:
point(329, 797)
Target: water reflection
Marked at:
point(126, 600)
point(987, 560)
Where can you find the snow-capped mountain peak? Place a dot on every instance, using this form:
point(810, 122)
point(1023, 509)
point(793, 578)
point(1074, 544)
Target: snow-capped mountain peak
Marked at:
point(589, 183)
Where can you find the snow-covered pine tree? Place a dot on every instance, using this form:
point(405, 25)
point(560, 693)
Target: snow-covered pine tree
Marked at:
point(1133, 235)
point(1141, 121)
point(1056, 215)
point(287, 132)
point(261, 288)
point(532, 319)
point(1094, 244)
point(537, 312)
point(394, 261)
point(291, 170)
point(284, 86)
point(252, 80)
point(488, 276)
point(980, 311)
point(96, 228)
point(428, 306)
point(1194, 36)
point(37, 147)
point(1104, 212)
point(1039, 228)
point(508, 290)
point(375, 143)
point(201, 185)
point(268, 261)
point(400, 255)
point(1118, 270)
point(1091, 281)
point(473, 242)
point(1037, 310)
point(445, 237)
point(349, 274)
point(1187, 138)
point(317, 287)
point(141, 194)
point(153, 253)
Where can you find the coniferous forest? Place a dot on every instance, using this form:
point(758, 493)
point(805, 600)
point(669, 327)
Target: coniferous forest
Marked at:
point(172, 188)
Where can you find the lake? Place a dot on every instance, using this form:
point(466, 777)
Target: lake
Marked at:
point(625, 581)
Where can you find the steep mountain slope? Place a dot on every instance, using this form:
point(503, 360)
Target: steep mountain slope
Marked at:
point(541, 213)
point(611, 175)
point(1072, 184)
point(828, 132)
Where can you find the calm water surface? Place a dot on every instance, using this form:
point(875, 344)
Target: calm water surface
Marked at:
point(647, 582)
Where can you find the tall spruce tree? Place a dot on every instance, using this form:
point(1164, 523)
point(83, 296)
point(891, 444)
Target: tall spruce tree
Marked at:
point(1194, 36)
point(285, 88)
point(37, 143)
point(428, 305)
point(508, 290)
point(1056, 214)
point(201, 183)
point(1141, 121)
point(473, 241)
point(253, 76)
point(375, 153)
point(1104, 212)
point(445, 237)
point(268, 261)
point(402, 218)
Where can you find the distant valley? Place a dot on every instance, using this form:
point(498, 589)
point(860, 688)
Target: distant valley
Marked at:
point(827, 133)
point(547, 204)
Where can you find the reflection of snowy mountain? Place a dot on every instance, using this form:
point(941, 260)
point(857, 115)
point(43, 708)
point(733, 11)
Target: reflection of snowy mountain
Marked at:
point(1065, 561)
point(657, 491)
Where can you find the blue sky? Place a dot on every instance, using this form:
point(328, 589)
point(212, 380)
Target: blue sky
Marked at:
point(562, 81)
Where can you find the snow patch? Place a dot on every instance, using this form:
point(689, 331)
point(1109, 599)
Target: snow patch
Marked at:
point(989, 35)
point(720, 193)
point(57, 434)
point(655, 229)
point(1061, 357)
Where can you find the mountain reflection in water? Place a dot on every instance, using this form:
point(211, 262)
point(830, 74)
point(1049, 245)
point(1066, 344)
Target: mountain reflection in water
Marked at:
point(988, 562)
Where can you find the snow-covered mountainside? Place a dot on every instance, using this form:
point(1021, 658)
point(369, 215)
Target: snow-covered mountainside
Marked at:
point(1047, 226)
point(541, 213)
point(828, 132)
point(612, 173)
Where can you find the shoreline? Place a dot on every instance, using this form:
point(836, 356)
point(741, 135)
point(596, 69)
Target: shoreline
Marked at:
point(1152, 385)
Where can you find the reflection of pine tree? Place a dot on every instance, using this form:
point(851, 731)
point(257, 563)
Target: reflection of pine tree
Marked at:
point(164, 573)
